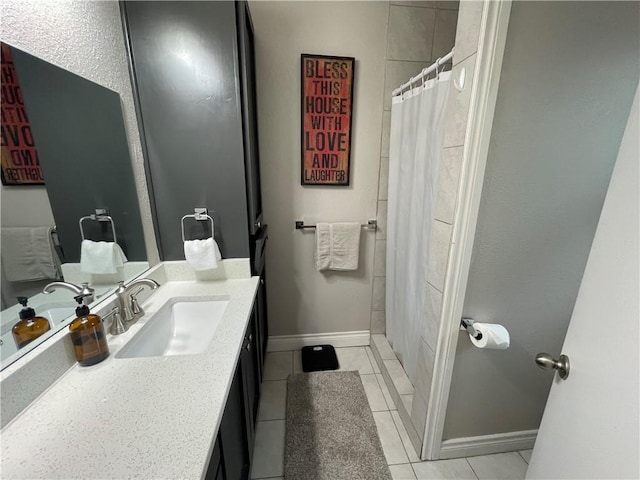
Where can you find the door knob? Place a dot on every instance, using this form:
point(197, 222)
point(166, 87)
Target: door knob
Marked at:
point(544, 360)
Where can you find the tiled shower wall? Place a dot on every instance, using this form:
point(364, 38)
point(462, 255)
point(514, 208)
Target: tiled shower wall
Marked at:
point(449, 26)
point(418, 33)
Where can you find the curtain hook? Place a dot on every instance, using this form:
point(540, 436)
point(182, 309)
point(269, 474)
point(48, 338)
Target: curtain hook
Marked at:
point(438, 67)
point(423, 74)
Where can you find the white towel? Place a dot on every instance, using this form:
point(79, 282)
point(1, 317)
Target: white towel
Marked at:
point(28, 254)
point(202, 254)
point(337, 246)
point(101, 257)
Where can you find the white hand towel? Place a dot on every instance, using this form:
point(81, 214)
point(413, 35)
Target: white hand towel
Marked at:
point(337, 246)
point(202, 254)
point(101, 257)
point(27, 254)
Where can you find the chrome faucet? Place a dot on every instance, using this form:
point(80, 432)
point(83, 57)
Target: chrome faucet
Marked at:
point(85, 290)
point(129, 309)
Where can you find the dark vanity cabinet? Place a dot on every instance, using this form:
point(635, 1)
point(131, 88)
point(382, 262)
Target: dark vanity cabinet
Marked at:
point(231, 458)
point(193, 71)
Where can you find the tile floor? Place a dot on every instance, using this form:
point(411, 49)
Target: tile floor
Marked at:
point(403, 461)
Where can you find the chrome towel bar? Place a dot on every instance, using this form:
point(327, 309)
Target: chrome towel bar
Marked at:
point(370, 225)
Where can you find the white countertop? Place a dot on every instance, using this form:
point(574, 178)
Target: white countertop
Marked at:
point(153, 417)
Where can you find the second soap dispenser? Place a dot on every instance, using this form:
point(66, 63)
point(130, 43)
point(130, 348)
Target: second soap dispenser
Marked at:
point(88, 337)
point(30, 326)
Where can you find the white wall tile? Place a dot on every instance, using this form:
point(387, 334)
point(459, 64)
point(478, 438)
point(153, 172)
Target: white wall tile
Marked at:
point(448, 4)
point(398, 377)
point(456, 469)
point(432, 322)
point(503, 466)
point(410, 33)
point(380, 259)
point(419, 413)
point(386, 133)
point(398, 72)
point(438, 253)
point(448, 180)
point(378, 322)
point(424, 370)
point(383, 179)
point(382, 346)
point(468, 29)
point(445, 32)
point(457, 110)
point(390, 439)
point(268, 450)
point(407, 401)
point(378, 298)
point(381, 232)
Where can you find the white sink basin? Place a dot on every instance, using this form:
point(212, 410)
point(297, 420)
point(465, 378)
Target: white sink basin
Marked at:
point(183, 326)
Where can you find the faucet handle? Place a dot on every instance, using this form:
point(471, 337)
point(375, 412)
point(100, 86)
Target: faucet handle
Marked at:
point(117, 325)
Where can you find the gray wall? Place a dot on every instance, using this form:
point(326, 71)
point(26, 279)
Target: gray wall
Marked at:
point(79, 131)
point(185, 64)
point(569, 74)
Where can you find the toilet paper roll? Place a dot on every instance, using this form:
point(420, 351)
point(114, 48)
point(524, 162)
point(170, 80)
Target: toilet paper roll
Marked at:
point(494, 336)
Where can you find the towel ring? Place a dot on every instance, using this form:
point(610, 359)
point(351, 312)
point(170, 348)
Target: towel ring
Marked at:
point(101, 215)
point(200, 215)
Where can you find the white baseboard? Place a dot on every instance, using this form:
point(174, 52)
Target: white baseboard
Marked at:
point(337, 339)
point(488, 444)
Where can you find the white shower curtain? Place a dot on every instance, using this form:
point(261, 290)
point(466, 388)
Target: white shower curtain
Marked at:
point(417, 127)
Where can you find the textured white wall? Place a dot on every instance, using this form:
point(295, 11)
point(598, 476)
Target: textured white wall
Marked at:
point(301, 299)
point(85, 38)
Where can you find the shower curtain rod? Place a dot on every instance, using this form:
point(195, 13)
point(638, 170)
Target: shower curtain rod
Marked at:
point(425, 71)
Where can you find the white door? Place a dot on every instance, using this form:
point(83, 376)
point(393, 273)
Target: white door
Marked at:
point(590, 427)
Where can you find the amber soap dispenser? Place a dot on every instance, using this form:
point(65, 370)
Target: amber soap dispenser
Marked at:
point(29, 327)
point(88, 337)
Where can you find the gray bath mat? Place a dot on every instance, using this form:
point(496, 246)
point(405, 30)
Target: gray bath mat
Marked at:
point(331, 434)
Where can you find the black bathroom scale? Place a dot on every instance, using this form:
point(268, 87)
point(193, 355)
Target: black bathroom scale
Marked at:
point(317, 358)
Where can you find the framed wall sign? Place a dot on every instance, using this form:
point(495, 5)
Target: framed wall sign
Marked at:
point(19, 158)
point(327, 99)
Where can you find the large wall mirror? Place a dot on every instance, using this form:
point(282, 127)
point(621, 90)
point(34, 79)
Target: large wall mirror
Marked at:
point(64, 156)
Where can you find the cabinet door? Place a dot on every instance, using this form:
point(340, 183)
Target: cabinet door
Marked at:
point(249, 115)
point(249, 366)
point(233, 433)
point(215, 471)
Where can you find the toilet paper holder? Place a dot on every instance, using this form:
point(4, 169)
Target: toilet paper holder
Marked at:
point(467, 324)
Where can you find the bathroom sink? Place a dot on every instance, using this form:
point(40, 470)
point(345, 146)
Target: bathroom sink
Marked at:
point(182, 326)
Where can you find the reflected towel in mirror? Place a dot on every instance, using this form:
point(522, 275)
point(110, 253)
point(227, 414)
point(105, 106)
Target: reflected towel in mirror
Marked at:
point(101, 257)
point(28, 254)
point(202, 254)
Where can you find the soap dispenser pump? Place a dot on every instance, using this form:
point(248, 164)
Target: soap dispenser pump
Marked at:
point(30, 326)
point(87, 334)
